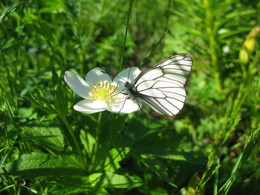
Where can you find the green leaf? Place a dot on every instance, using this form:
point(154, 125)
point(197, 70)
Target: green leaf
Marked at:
point(80, 184)
point(248, 147)
point(42, 103)
point(187, 157)
point(12, 9)
point(115, 155)
point(113, 180)
point(158, 167)
point(71, 185)
point(49, 137)
point(88, 140)
point(234, 14)
point(60, 93)
point(39, 164)
point(156, 142)
point(53, 7)
point(95, 182)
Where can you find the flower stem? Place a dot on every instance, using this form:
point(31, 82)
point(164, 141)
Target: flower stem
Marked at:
point(98, 130)
point(95, 153)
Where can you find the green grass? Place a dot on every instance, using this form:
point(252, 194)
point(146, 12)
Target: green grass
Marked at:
point(210, 147)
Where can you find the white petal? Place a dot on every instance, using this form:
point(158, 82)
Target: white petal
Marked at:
point(77, 84)
point(127, 75)
point(90, 106)
point(96, 74)
point(126, 106)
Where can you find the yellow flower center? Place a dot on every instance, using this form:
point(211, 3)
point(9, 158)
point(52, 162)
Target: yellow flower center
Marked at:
point(103, 91)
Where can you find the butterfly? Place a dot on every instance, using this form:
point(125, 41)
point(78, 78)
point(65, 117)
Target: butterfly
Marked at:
point(161, 87)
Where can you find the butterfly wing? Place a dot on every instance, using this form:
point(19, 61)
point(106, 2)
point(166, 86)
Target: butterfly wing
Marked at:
point(162, 86)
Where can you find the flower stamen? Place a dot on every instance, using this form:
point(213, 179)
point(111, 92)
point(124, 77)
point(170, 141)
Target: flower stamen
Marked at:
point(103, 91)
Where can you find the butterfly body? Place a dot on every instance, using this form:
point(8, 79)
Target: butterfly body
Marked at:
point(132, 91)
point(161, 87)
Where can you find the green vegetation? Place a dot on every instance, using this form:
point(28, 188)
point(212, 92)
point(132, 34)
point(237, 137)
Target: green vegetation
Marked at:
point(210, 147)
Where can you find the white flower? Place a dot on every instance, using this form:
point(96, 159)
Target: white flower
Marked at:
point(100, 93)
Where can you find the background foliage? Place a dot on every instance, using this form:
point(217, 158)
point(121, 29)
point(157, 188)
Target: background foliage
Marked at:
point(47, 147)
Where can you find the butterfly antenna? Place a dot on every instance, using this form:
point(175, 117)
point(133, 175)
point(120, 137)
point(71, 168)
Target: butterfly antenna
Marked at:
point(123, 82)
point(113, 92)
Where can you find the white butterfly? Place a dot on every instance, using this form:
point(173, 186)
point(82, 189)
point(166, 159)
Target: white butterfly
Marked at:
point(161, 87)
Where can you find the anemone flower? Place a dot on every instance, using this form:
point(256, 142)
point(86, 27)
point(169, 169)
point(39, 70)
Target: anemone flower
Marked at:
point(100, 93)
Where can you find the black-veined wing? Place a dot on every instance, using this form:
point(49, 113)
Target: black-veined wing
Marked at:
point(162, 86)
